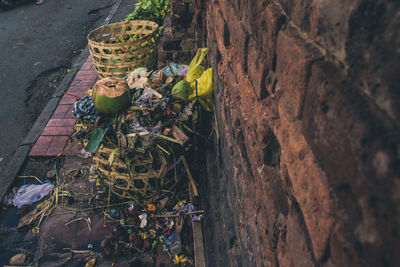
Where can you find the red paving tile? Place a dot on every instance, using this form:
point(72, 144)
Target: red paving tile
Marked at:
point(41, 146)
point(57, 145)
point(60, 112)
point(76, 94)
point(74, 83)
point(69, 114)
point(87, 66)
point(56, 134)
point(85, 72)
point(67, 100)
point(75, 88)
point(82, 85)
point(86, 75)
point(60, 122)
point(65, 130)
point(87, 82)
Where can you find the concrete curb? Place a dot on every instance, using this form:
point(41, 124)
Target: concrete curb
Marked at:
point(22, 152)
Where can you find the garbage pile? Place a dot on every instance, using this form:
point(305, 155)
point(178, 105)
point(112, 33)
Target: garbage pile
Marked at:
point(140, 136)
point(139, 132)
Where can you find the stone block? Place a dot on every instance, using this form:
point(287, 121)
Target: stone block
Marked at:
point(164, 58)
point(294, 55)
point(182, 57)
point(293, 248)
point(171, 45)
point(329, 24)
point(188, 44)
point(257, 69)
point(177, 8)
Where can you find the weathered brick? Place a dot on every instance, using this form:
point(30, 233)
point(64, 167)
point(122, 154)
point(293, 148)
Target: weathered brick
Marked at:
point(177, 8)
point(294, 57)
point(293, 248)
point(257, 69)
point(330, 69)
point(188, 44)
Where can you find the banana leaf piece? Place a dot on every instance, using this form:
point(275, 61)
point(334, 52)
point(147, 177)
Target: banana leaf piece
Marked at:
point(96, 139)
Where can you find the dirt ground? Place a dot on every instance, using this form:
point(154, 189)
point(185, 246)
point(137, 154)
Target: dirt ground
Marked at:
point(74, 232)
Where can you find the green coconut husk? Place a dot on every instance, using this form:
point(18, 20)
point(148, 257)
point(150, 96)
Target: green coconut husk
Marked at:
point(111, 96)
point(182, 90)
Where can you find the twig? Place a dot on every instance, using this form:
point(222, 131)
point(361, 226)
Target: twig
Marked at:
point(190, 130)
point(163, 149)
point(195, 192)
point(176, 215)
point(88, 221)
point(75, 220)
point(78, 251)
point(168, 138)
point(68, 148)
point(31, 176)
point(94, 208)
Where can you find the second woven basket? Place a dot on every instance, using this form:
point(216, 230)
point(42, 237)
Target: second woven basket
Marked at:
point(119, 48)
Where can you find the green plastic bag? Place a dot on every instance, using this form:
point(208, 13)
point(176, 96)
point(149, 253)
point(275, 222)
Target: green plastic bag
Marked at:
point(195, 70)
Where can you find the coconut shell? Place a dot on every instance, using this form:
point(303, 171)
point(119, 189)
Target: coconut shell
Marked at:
point(182, 90)
point(111, 96)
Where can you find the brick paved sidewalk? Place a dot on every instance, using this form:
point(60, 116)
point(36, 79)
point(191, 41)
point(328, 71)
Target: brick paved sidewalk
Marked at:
point(55, 135)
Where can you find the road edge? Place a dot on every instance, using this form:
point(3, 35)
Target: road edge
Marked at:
point(21, 154)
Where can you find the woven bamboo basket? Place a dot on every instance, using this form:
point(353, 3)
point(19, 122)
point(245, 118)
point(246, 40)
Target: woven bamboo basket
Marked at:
point(111, 57)
point(122, 177)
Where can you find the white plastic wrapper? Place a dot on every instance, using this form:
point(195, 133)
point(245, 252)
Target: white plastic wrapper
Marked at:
point(143, 218)
point(30, 193)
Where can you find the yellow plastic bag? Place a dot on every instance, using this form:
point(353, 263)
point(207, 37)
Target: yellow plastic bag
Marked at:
point(195, 69)
point(204, 85)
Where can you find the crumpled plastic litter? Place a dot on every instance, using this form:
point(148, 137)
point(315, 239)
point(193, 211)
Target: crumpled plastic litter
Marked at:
point(190, 208)
point(174, 243)
point(177, 69)
point(85, 154)
point(84, 109)
point(150, 98)
point(131, 207)
point(137, 78)
point(139, 71)
point(31, 193)
point(114, 213)
point(134, 126)
point(204, 85)
point(195, 69)
point(9, 198)
point(185, 209)
point(185, 114)
point(143, 220)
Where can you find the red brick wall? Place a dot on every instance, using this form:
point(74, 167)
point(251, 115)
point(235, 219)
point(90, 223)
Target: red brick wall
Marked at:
point(304, 168)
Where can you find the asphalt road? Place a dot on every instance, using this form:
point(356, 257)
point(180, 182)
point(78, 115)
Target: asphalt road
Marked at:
point(38, 44)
